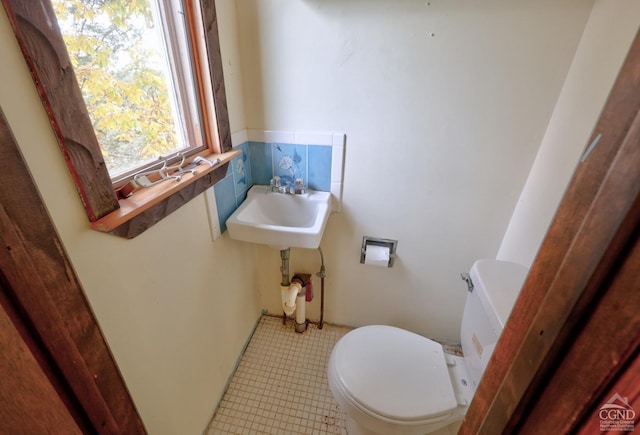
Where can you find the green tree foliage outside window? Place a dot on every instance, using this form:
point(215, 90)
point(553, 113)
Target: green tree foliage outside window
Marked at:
point(121, 74)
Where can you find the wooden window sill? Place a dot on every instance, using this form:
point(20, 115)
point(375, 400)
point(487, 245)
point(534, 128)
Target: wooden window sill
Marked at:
point(149, 205)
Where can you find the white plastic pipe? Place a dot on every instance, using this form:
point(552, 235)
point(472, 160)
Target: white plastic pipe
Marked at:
point(289, 294)
point(300, 308)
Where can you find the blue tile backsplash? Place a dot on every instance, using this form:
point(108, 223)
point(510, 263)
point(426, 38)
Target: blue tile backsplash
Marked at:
point(241, 172)
point(261, 161)
point(289, 163)
point(319, 177)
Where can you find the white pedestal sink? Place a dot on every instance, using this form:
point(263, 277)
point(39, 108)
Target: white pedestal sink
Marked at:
point(281, 220)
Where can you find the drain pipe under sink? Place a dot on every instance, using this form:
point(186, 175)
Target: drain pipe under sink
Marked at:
point(293, 296)
point(301, 303)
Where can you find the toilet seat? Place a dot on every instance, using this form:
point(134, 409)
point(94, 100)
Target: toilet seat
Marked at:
point(415, 387)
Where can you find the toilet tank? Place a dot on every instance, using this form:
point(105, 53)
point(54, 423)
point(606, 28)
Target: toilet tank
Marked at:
point(496, 287)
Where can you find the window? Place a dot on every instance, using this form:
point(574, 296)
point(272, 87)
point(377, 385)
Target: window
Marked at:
point(134, 64)
point(49, 62)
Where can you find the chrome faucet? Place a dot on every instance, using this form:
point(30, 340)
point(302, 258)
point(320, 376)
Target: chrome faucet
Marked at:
point(297, 189)
point(299, 186)
point(275, 184)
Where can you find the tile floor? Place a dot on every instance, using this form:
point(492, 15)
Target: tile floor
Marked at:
point(280, 386)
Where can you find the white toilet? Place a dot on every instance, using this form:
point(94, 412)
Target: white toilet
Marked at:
point(391, 381)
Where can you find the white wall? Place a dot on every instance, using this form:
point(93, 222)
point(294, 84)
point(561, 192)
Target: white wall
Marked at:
point(175, 308)
point(441, 131)
point(603, 47)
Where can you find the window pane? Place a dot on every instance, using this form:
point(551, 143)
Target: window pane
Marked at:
point(119, 50)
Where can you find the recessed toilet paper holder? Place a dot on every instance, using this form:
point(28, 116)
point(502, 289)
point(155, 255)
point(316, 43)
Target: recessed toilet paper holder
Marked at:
point(377, 241)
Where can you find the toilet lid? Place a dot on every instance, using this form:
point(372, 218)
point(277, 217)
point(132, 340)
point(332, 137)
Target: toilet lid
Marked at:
point(394, 373)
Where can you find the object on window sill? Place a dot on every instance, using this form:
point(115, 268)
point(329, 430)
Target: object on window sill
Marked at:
point(151, 177)
point(148, 178)
point(144, 207)
point(200, 159)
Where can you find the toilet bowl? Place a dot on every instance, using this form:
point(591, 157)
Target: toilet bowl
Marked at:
point(390, 381)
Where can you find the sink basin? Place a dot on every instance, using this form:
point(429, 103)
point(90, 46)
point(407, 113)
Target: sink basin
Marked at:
point(281, 220)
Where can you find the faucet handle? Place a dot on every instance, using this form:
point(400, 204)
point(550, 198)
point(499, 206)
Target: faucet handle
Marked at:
point(275, 181)
point(299, 186)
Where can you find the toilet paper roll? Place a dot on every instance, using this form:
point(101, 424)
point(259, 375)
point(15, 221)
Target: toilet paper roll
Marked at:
point(377, 256)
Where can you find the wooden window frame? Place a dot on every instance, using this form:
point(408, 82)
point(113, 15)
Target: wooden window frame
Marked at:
point(46, 56)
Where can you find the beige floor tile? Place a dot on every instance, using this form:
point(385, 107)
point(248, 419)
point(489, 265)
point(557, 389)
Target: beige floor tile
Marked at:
point(280, 385)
